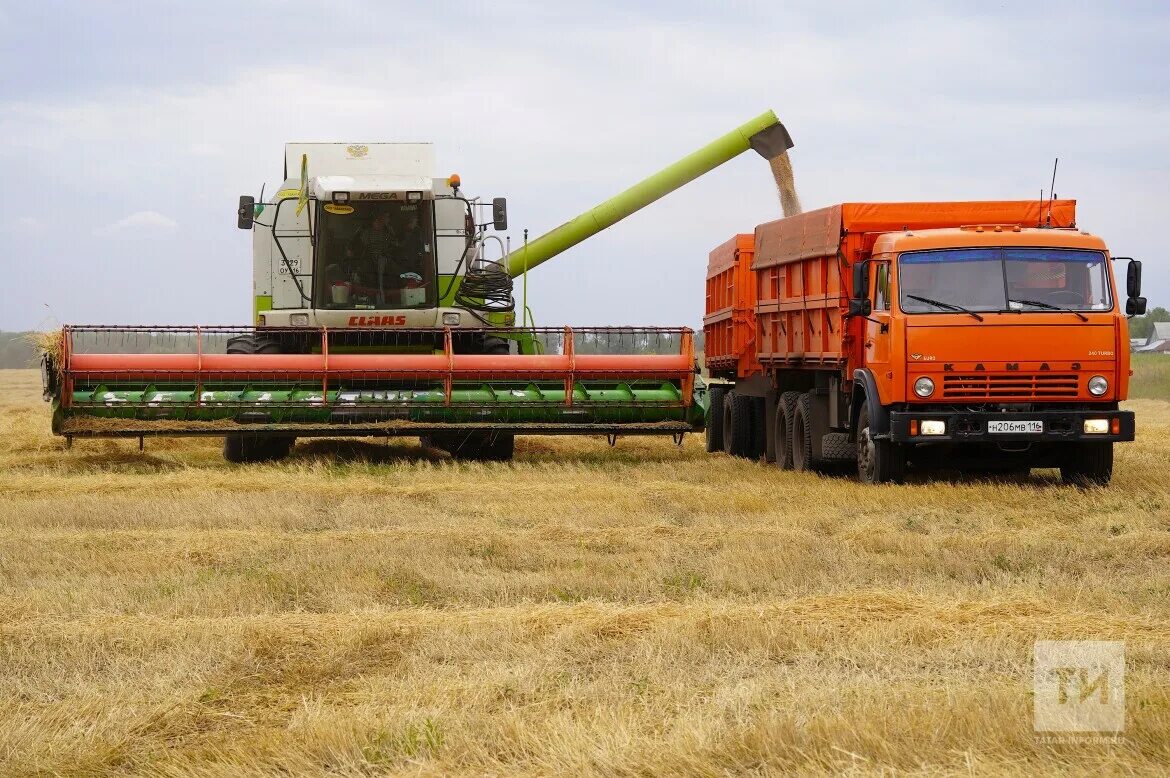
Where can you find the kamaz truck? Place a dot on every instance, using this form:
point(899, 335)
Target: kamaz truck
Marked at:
point(975, 336)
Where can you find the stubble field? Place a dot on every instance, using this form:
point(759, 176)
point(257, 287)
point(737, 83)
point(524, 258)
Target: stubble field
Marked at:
point(643, 609)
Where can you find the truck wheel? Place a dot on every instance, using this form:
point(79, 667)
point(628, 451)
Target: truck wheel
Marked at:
point(878, 461)
point(836, 447)
point(782, 432)
point(759, 447)
point(737, 424)
point(1088, 464)
point(714, 428)
point(802, 458)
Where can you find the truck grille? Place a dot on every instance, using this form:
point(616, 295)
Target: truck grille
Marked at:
point(987, 386)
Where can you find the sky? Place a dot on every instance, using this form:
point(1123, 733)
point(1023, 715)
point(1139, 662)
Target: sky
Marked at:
point(128, 130)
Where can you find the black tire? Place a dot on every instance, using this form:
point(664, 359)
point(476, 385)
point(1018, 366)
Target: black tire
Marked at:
point(878, 461)
point(782, 433)
point(245, 449)
point(496, 345)
point(737, 424)
point(1088, 464)
point(837, 447)
point(479, 446)
point(713, 431)
point(801, 437)
point(253, 344)
point(759, 430)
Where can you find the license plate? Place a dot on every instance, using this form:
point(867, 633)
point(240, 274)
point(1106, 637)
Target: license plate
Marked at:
point(1015, 426)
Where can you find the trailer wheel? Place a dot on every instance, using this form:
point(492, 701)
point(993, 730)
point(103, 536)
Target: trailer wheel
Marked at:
point(1088, 464)
point(714, 428)
point(802, 458)
point(782, 429)
point(737, 424)
point(878, 461)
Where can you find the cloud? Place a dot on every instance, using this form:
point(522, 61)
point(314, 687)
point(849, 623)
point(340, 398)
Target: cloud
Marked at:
point(28, 225)
point(140, 224)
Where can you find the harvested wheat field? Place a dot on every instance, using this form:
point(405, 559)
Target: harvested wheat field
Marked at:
point(644, 609)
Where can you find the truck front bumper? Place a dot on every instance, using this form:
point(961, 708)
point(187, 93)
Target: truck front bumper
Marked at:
point(1059, 426)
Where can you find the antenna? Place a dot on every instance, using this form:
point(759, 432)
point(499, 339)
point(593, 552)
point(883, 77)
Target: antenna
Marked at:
point(1051, 191)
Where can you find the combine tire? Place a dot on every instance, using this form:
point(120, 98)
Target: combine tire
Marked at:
point(878, 461)
point(714, 428)
point(244, 449)
point(255, 448)
point(1088, 464)
point(478, 446)
point(737, 424)
point(802, 456)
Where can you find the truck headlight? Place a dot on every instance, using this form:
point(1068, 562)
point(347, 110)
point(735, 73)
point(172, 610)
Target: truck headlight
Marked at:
point(924, 387)
point(1096, 426)
point(932, 427)
point(1098, 385)
point(299, 319)
point(450, 320)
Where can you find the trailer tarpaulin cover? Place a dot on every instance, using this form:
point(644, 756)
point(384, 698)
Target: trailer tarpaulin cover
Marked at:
point(818, 233)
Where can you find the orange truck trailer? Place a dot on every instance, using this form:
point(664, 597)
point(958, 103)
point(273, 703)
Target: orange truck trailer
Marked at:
point(972, 336)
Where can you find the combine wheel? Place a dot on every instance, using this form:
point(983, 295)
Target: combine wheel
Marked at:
point(714, 428)
point(256, 448)
point(737, 424)
point(878, 461)
point(253, 344)
point(1088, 464)
point(479, 446)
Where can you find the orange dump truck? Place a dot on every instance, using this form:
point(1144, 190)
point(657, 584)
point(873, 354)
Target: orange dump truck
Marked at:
point(976, 336)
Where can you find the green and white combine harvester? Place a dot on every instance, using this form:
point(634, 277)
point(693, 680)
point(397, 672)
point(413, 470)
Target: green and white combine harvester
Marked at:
point(378, 313)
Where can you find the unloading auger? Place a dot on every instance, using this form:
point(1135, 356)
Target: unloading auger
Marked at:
point(377, 314)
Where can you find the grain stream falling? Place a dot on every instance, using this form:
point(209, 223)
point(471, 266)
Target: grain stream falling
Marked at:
point(785, 184)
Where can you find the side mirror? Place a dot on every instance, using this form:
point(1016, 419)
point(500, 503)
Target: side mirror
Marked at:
point(500, 213)
point(861, 280)
point(246, 212)
point(1135, 306)
point(860, 306)
point(1133, 279)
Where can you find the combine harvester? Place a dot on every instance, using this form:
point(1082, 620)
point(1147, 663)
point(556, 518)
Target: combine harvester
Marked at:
point(377, 313)
point(979, 336)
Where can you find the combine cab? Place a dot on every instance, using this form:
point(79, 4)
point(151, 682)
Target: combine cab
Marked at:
point(378, 313)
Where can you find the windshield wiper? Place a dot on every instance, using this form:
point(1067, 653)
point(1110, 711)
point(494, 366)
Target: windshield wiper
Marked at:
point(949, 306)
point(1051, 307)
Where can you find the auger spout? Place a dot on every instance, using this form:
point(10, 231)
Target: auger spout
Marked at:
point(765, 134)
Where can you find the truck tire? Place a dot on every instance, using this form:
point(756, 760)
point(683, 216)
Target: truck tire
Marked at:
point(713, 431)
point(1088, 464)
point(759, 447)
point(246, 448)
point(737, 424)
point(782, 426)
point(878, 461)
point(837, 447)
point(802, 456)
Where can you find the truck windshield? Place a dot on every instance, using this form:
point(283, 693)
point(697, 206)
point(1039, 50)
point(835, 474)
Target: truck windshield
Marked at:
point(375, 255)
point(1003, 279)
